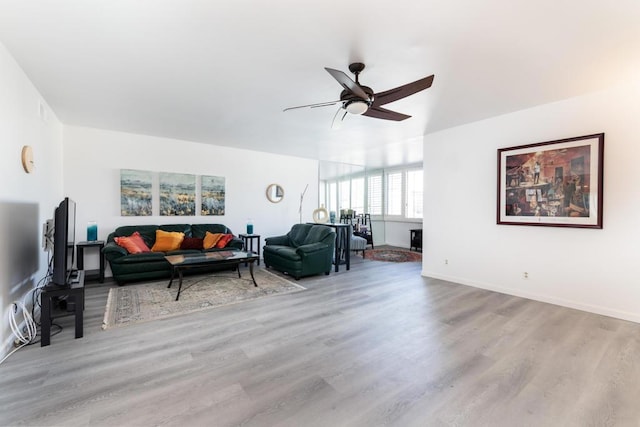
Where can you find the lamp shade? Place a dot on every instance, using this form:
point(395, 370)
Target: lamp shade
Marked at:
point(357, 107)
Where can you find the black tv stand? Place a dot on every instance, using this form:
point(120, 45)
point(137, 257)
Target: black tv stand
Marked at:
point(74, 277)
point(51, 291)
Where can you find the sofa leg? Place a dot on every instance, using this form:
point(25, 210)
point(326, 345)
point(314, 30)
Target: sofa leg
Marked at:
point(326, 273)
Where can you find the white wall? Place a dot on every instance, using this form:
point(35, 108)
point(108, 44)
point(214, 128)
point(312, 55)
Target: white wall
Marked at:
point(40, 191)
point(93, 159)
point(589, 269)
point(397, 233)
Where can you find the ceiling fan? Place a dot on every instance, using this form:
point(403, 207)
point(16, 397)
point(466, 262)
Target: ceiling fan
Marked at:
point(359, 99)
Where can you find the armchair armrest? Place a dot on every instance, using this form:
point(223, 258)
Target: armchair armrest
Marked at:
point(312, 248)
point(277, 240)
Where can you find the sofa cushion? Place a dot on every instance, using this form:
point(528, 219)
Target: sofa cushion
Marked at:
point(134, 244)
point(140, 258)
point(179, 228)
point(199, 230)
point(317, 233)
point(298, 234)
point(167, 241)
point(285, 252)
point(183, 252)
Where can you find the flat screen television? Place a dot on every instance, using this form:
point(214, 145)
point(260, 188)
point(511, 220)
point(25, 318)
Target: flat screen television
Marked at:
point(64, 241)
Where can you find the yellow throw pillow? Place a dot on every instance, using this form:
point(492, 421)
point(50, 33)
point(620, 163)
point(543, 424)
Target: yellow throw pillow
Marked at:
point(210, 239)
point(167, 241)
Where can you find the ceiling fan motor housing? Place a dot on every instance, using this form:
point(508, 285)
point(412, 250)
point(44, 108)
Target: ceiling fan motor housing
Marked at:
point(354, 104)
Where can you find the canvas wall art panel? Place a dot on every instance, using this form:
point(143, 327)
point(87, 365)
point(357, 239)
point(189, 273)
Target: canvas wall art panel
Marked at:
point(135, 192)
point(212, 195)
point(177, 194)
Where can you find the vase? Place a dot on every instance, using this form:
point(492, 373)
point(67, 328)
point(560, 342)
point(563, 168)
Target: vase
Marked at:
point(92, 231)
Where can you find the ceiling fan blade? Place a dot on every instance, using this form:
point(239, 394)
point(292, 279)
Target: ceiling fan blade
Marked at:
point(400, 92)
point(338, 118)
point(383, 113)
point(346, 82)
point(320, 104)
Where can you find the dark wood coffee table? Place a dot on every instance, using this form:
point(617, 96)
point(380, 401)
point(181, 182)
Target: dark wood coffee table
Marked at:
point(179, 263)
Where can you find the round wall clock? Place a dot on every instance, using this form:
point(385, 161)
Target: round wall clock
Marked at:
point(27, 159)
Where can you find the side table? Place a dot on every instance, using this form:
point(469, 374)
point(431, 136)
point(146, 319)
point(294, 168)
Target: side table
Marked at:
point(91, 274)
point(416, 239)
point(74, 292)
point(343, 243)
point(248, 243)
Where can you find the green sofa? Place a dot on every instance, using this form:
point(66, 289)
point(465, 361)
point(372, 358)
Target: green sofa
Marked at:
point(307, 249)
point(128, 267)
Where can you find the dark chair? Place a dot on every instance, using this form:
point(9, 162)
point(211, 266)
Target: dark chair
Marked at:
point(307, 249)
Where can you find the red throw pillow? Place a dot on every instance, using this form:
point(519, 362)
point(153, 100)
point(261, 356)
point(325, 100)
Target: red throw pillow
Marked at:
point(134, 244)
point(191, 243)
point(226, 238)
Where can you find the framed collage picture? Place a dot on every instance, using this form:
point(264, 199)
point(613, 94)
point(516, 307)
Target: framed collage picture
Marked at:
point(554, 183)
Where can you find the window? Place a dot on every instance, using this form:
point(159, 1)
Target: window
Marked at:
point(345, 195)
point(374, 194)
point(357, 195)
point(394, 193)
point(414, 194)
point(333, 197)
point(322, 193)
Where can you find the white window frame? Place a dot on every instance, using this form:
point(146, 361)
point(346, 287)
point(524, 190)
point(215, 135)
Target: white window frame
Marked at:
point(387, 206)
point(383, 174)
point(407, 195)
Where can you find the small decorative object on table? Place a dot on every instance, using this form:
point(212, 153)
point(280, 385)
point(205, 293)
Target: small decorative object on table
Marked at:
point(249, 226)
point(320, 215)
point(92, 231)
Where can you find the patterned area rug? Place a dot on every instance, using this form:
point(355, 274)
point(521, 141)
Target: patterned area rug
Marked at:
point(393, 255)
point(144, 302)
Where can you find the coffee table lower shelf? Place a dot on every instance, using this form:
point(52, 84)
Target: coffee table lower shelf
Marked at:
point(180, 263)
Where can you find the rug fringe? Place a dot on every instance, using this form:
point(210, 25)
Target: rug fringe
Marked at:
point(283, 278)
point(105, 319)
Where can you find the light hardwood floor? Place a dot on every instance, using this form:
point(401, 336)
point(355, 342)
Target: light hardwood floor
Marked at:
point(378, 345)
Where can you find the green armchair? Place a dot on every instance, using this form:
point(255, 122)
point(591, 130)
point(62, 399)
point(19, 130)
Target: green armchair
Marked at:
point(307, 249)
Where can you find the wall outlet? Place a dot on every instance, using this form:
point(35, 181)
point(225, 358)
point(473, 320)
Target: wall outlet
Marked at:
point(525, 275)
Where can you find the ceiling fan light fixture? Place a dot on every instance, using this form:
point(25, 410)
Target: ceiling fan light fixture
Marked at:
point(357, 107)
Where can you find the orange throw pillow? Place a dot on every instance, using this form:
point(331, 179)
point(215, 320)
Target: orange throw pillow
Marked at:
point(167, 241)
point(210, 239)
point(133, 244)
point(226, 238)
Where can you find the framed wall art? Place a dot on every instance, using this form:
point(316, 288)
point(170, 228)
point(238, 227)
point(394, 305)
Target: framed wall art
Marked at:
point(554, 183)
point(177, 194)
point(212, 191)
point(135, 193)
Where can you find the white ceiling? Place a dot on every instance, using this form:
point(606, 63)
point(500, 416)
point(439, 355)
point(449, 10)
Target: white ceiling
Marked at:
point(221, 72)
